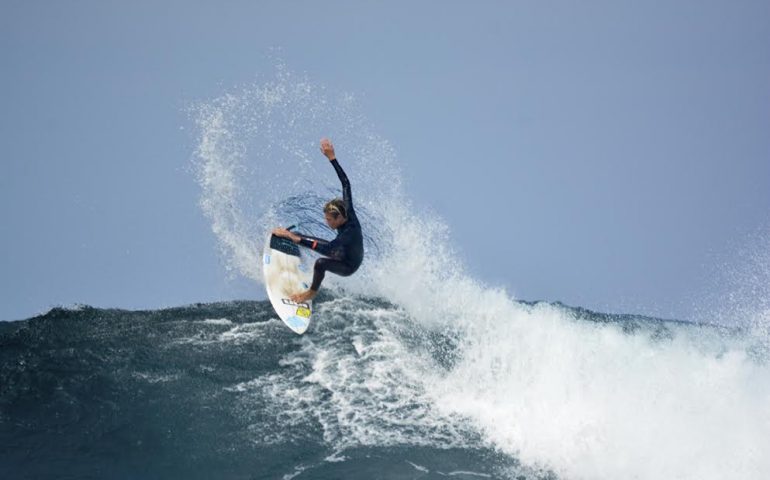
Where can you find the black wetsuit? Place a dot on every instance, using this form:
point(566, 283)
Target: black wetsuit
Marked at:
point(344, 254)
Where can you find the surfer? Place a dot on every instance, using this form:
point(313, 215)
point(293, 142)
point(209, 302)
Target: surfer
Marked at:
point(344, 254)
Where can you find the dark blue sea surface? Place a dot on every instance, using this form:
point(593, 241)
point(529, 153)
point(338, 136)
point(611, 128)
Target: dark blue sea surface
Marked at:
point(225, 390)
point(188, 393)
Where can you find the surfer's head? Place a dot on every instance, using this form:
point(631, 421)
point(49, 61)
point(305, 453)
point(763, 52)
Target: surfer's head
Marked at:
point(335, 212)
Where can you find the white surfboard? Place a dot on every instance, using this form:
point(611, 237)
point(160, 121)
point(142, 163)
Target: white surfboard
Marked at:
point(285, 275)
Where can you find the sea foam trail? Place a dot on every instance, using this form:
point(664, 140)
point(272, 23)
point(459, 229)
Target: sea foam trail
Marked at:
point(582, 399)
point(585, 400)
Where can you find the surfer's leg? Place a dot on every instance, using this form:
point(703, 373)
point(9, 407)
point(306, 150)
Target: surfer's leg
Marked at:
point(323, 265)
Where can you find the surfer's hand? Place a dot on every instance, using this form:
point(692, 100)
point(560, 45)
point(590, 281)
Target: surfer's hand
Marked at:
point(327, 148)
point(282, 232)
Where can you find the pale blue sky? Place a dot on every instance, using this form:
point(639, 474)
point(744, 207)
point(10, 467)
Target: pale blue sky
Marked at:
point(605, 154)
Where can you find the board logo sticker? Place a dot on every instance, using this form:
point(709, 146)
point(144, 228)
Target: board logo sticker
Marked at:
point(288, 301)
point(296, 322)
point(303, 312)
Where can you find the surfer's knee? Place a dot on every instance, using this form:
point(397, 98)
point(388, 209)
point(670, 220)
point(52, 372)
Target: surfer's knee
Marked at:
point(338, 267)
point(320, 264)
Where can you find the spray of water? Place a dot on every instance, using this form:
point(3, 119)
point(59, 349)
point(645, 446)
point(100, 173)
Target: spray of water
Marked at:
point(258, 163)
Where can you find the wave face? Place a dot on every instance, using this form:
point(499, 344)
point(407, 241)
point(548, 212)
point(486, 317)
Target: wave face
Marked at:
point(411, 369)
point(227, 391)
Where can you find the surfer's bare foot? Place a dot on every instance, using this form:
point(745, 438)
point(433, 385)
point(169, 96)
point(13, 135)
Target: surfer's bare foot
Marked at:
point(303, 297)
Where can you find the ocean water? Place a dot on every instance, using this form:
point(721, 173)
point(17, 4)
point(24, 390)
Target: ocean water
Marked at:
point(225, 390)
point(412, 368)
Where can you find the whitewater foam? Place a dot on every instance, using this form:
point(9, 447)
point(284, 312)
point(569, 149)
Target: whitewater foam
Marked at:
point(237, 334)
point(216, 321)
point(356, 381)
point(153, 378)
point(590, 401)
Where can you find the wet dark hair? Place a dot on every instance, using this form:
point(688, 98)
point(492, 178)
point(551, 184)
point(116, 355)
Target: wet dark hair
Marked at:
point(336, 208)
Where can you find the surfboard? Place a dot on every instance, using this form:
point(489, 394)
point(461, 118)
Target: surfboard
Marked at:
point(285, 275)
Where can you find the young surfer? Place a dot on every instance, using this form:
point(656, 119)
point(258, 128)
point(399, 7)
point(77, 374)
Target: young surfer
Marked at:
point(344, 254)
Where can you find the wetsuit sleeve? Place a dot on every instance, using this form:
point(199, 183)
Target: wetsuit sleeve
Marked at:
point(347, 196)
point(324, 247)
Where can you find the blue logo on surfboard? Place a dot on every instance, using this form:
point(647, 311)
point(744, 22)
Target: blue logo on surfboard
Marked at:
point(296, 322)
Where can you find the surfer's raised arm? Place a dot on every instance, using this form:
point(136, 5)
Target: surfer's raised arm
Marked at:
point(328, 149)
